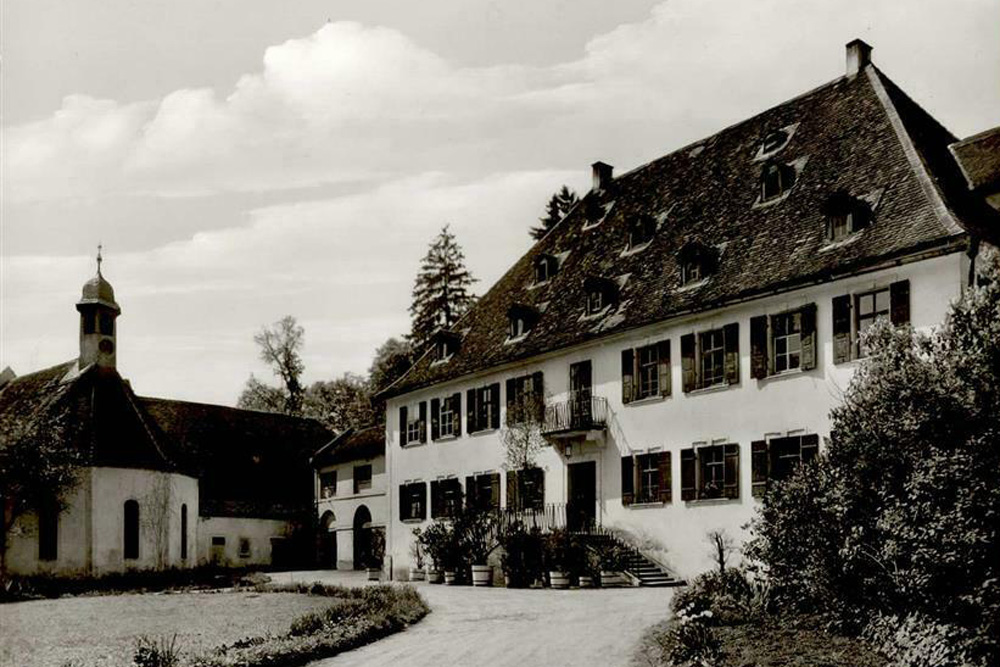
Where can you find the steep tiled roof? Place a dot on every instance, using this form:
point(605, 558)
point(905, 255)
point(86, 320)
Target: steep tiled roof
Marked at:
point(248, 463)
point(100, 414)
point(979, 156)
point(352, 445)
point(856, 135)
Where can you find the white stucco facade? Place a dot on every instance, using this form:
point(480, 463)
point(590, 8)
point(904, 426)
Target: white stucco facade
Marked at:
point(239, 541)
point(341, 513)
point(91, 528)
point(796, 402)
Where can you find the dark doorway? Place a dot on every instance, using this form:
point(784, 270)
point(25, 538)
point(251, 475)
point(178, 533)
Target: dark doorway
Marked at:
point(580, 391)
point(581, 510)
point(327, 551)
point(362, 537)
point(131, 536)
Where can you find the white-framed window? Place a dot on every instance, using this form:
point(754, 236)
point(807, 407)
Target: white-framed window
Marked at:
point(841, 225)
point(712, 359)
point(490, 403)
point(362, 478)
point(595, 301)
point(648, 371)
point(691, 271)
point(447, 417)
point(413, 430)
point(787, 340)
point(649, 478)
point(776, 179)
point(710, 471)
point(518, 326)
point(328, 484)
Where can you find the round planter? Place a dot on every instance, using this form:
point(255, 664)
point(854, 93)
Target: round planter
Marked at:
point(586, 581)
point(434, 576)
point(450, 578)
point(416, 574)
point(374, 574)
point(558, 579)
point(610, 579)
point(482, 575)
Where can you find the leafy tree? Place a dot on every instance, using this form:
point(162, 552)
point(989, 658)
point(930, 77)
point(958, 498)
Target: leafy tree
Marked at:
point(280, 348)
point(37, 470)
point(441, 293)
point(559, 205)
point(340, 404)
point(259, 396)
point(899, 516)
point(522, 434)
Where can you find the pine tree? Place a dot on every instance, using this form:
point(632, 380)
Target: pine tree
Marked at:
point(559, 205)
point(441, 292)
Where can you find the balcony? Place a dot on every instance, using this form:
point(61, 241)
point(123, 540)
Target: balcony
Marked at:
point(575, 417)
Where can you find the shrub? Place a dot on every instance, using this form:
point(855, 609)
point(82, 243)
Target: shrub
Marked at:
point(523, 554)
point(438, 541)
point(727, 597)
point(156, 652)
point(919, 641)
point(564, 552)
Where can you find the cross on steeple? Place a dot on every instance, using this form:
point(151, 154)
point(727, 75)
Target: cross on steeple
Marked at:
point(99, 259)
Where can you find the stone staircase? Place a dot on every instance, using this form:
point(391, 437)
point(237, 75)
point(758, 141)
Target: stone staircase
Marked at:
point(649, 573)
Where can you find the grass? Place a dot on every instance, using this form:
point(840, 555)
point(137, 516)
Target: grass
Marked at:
point(771, 645)
point(274, 626)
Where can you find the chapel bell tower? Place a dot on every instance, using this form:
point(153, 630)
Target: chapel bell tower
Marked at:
point(98, 312)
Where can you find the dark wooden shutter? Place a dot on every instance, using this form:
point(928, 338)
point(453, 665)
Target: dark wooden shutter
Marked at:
point(809, 347)
point(688, 366)
point(495, 402)
point(471, 410)
point(689, 477)
point(810, 447)
point(628, 375)
point(511, 395)
point(731, 487)
point(666, 483)
point(404, 496)
point(538, 389)
point(471, 492)
point(422, 492)
point(758, 467)
point(628, 480)
point(899, 302)
point(841, 329)
point(663, 366)
point(731, 336)
point(495, 491)
point(435, 499)
point(758, 347)
point(435, 422)
point(423, 421)
point(456, 407)
point(537, 476)
point(512, 499)
point(402, 426)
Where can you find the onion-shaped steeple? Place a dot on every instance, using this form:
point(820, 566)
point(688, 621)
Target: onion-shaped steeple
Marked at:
point(98, 312)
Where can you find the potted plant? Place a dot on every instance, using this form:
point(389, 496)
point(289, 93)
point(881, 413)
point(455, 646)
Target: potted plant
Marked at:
point(376, 554)
point(417, 553)
point(523, 555)
point(435, 541)
point(557, 558)
point(476, 530)
point(611, 558)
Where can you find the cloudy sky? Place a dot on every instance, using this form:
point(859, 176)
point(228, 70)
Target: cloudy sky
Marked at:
point(243, 160)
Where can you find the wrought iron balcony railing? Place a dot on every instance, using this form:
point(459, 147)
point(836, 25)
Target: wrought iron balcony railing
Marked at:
point(577, 414)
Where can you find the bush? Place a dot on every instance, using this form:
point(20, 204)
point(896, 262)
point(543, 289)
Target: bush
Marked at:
point(564, 552)
point(920, 641)
point(728, 597)
point(161, 652)
point(523, 555)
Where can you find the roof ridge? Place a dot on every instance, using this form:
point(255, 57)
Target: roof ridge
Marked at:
point(928, 184)
point(216, 406)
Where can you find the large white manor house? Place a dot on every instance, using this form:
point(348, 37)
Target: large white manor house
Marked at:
point(691, 323)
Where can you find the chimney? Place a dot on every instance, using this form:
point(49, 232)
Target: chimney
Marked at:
point(602, 175)
point(859, 54)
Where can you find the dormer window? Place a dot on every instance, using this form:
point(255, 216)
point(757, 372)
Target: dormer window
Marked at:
point(545, 267)
point(446, 344)
point(696, 262)
point(601, 293)
point(776, 179)
point(521, 319)
point(641, 231)
point(844, 216)
point(774, 141)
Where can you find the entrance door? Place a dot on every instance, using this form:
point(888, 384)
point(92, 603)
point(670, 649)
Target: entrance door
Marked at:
point(580, 391)
point(581, 510)
point(362, 537)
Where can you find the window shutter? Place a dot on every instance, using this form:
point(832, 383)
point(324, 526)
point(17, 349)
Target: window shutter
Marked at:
point(422, 492)
point(899, 302)
point(471, 492)
point(456, 407)
point(809, 337)
point(628, 486)
point(689, 489)
point(402, 426)
point(758, 468)
point(512, 502)
point(472, 412)
point(665, 478)
point(731, 487)
point(435, 422)
point(841, 329)
point(688, 365)
point(537, 500)
point(628, 382)
point(495, 402)
point(538, 388)
point(435, 499)
point(404, 511)
point(758, 347)
point(663, 365)
point(423, 421)
point(810, 447)
point(511, 392)
point(495, 491)
point(731, 336)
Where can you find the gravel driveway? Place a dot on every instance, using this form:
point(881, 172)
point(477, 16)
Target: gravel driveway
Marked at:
point(519, 628)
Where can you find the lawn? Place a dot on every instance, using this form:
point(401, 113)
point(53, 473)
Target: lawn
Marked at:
point(100, 631)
